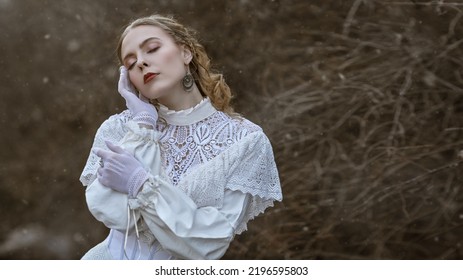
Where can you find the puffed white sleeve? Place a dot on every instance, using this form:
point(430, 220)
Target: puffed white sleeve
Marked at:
point(105, 204)
point(184, 229)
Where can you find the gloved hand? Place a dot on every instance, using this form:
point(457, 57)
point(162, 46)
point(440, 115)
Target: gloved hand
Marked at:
point(120, 170)
point(143, 112)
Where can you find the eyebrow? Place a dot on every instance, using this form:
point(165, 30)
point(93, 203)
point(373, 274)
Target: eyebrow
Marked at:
point(142, 44)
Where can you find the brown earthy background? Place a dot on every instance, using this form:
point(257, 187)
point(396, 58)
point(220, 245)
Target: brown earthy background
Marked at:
point(362, 100)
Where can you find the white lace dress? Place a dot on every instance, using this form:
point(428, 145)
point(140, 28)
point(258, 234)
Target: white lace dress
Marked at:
point(209, 175)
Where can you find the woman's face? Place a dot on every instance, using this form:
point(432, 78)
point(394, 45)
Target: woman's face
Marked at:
point(156, 64)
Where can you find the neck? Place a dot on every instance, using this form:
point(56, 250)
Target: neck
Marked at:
point(182, 100)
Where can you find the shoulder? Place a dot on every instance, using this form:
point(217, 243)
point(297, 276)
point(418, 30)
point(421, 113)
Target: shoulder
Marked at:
point(247, 137)
point(244, 125)
point(248, 132)
point(117, 119)
point(114, 127)
point(241, 127)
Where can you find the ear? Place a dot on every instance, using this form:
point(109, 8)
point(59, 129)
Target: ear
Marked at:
point(186, 54)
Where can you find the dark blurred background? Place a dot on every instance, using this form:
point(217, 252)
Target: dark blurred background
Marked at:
point(361, 99)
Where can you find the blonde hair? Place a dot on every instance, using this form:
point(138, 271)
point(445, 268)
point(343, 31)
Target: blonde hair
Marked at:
point(210, 82)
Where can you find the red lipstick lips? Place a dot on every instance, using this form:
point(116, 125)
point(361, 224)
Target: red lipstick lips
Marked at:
point(148, 77)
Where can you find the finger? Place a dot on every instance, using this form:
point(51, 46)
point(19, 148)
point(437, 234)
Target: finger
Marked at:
point(115, 148)
point(122, 68)
point(104, 154)
point(123, 79)
point(125, 86)
point(103, 180)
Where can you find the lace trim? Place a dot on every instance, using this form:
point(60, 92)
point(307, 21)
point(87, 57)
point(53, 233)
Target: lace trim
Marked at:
point(136, 181)
point(145, 118)
point(256, 208)
point(166, 111)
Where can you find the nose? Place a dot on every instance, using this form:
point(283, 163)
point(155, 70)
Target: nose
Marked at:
point(141, 63)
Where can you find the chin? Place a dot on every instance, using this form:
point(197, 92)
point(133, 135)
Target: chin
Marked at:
point(151, 95)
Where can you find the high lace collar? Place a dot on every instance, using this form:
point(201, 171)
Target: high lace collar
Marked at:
point(188, 116)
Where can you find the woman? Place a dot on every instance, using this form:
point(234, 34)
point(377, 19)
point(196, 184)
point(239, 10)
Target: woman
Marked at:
point(178, 174)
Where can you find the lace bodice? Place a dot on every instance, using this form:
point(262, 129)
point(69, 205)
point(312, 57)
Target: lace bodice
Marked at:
point(183, 147)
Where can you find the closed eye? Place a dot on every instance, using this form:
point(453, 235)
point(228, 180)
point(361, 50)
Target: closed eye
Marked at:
point(132, 65)
point(153, 50)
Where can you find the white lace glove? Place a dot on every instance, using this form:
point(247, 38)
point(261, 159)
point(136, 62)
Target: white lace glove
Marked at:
point(143, 112)
point(120, 170)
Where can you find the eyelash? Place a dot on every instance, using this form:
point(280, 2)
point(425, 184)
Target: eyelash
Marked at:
point(149, 51)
